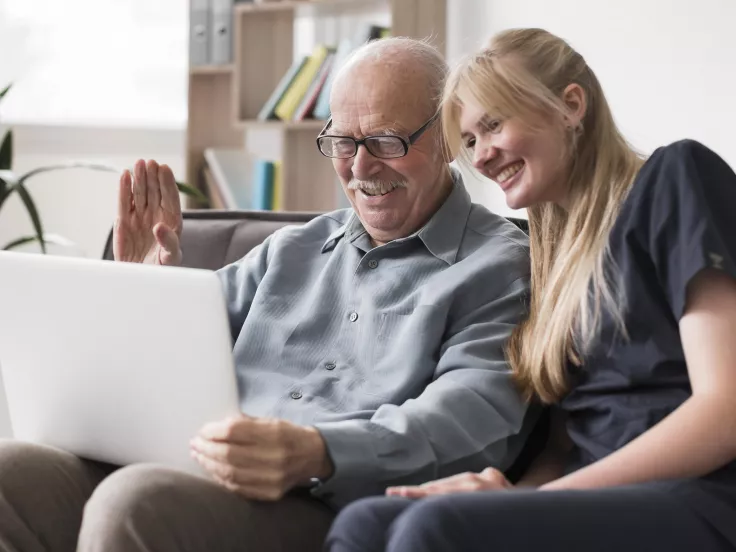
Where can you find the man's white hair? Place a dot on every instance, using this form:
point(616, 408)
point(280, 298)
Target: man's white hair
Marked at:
point(420, 54)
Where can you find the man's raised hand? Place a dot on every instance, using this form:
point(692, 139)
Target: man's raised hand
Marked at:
point(148, 224)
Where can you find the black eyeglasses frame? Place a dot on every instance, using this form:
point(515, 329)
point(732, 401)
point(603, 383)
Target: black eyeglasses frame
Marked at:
point(406, 142)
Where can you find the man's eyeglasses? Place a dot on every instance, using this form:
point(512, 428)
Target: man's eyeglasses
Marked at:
point(387, 146)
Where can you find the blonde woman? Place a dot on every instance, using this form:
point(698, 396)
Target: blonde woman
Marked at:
point(630, 336)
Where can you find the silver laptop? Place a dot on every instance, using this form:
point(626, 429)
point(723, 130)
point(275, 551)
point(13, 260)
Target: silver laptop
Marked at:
point(114, 361)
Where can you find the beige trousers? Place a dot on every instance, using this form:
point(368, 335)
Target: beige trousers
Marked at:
point(52, 501)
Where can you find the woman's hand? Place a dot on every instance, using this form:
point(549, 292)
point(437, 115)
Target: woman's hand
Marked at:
point(489, 479)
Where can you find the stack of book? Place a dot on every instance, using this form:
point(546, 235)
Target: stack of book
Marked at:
point(210, 32)
point(304, 90)
point(267, 186)
point(237, 180)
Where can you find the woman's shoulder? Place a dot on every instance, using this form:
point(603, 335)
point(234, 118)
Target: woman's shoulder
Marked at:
point(675, 150)
point(684, 162)
point(679, 216)
point(681, 173)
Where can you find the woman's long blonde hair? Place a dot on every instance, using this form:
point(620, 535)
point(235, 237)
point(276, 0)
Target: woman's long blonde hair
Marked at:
point(523, 73)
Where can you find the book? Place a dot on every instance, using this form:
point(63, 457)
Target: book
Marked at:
point(321, 108)
point(344, 50)
point(278, 187)
point(199, 32)
point(306, 107)
point(376, 32)
point(262, 185)
point(221, 29)
point(231, 172)
point(298, 87)
point(267, 111)
point(214, 192)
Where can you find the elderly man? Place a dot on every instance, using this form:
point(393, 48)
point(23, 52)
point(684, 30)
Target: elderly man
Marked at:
point(369, 346)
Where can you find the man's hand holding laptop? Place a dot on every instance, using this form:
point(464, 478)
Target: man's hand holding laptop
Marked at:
point(261, 458)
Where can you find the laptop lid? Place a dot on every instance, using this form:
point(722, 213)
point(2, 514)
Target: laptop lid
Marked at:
point(113, 361)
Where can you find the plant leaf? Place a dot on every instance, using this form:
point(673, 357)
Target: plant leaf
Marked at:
point(183, 188)
point(32, 211)
point(5, 91)
point(194, 192)
point(48, 238)
point(6, 152)
point(68, 165)
point(7, 180)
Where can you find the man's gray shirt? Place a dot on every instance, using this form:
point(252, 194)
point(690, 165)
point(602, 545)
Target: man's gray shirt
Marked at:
point(394, 353)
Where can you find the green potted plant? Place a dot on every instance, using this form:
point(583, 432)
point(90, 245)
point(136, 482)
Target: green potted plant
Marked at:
point(11, 183)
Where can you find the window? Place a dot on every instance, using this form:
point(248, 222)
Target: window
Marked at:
point(95, 62)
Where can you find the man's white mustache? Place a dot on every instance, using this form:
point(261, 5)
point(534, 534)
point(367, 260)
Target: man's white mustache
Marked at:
point(375, 184)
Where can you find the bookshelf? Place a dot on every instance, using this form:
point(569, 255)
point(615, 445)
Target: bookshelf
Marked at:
point(224, 100)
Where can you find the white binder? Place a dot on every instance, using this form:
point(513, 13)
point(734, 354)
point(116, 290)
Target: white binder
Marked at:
point(199, 32)
point(221, 27)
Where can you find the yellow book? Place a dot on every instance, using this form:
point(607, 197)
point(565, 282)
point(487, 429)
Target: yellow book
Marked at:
point(294, 94)
point(278, 187)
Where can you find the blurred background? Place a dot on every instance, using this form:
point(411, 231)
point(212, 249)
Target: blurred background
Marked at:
point(229, 93)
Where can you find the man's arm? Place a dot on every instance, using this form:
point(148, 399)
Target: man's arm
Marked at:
point(240, 280)
point(462, 421)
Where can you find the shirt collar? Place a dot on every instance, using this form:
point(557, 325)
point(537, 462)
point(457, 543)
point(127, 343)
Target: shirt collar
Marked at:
point(445, 230)
point(352, 229)
point(441, 235)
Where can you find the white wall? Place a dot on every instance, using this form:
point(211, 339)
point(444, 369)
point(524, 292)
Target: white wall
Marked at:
point(668, 67)
point(103, 63)
point(467, 22)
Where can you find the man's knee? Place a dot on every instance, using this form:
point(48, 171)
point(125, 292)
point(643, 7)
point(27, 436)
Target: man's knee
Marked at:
point(130, 493)
point(128, 508)
point(42, 494)
point(18, 455)
point(23, 464)
point(145, 507)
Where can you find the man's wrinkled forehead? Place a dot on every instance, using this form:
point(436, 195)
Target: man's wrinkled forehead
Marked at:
point(370, 102)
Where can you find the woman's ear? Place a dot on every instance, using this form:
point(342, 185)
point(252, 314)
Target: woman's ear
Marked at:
point(576, 102)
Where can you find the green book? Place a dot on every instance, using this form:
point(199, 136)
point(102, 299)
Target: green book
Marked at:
point(268, 110)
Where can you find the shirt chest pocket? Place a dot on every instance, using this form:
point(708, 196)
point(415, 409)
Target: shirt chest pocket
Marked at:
point(404, 352)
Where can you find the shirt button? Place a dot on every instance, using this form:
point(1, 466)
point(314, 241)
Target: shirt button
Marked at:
point(373, 263)
point(296, 395)
point(330, 366)
point(353, 316)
